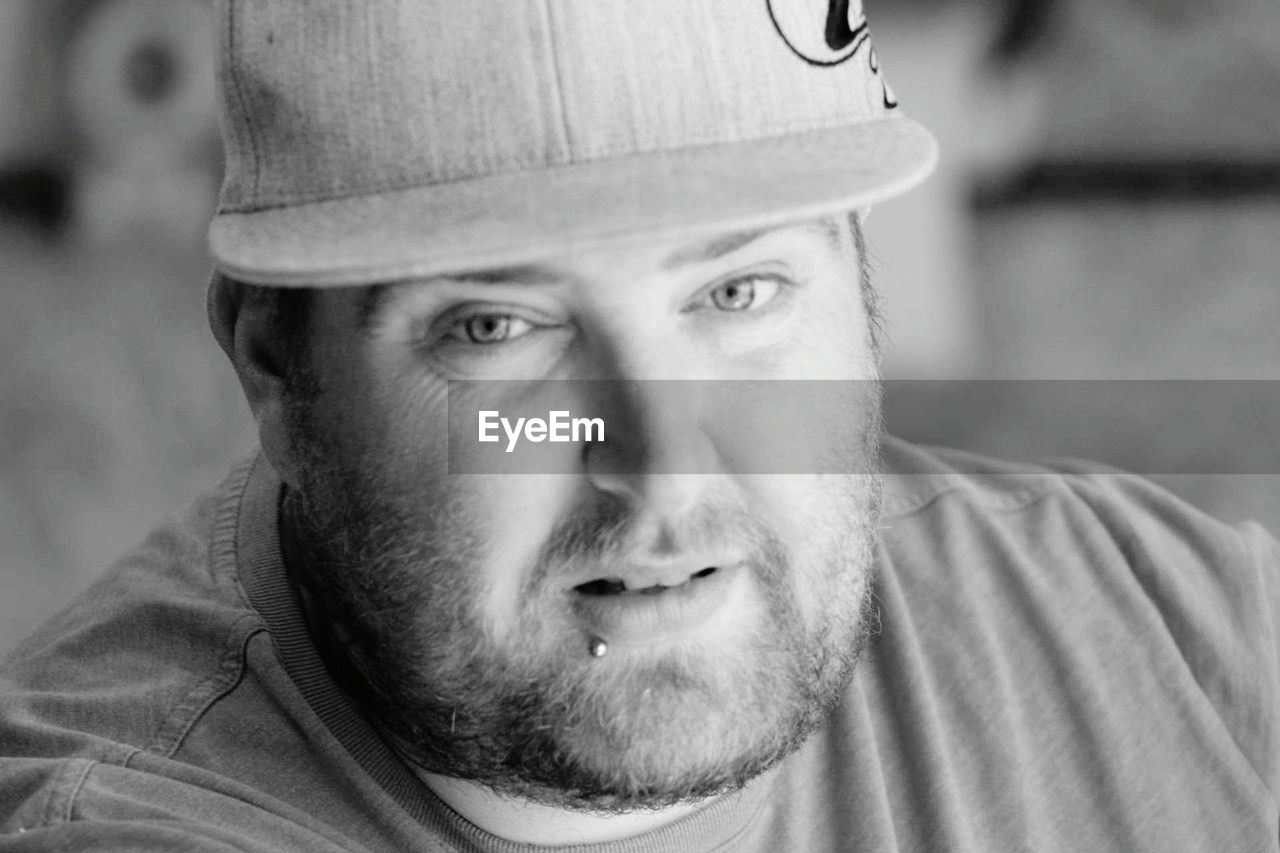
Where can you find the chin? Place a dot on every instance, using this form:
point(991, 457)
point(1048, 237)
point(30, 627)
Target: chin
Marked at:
point(674, 723)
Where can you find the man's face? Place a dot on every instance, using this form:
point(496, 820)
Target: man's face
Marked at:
point(731, 601)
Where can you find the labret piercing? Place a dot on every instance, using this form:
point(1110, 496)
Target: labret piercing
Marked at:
point(597, 647)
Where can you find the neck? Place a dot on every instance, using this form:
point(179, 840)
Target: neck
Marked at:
point(526, 822)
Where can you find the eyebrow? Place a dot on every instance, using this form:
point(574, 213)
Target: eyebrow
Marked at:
point(730, 243)
point(376, 297)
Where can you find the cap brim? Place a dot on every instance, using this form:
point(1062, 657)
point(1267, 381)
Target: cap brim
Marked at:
point(524, 216)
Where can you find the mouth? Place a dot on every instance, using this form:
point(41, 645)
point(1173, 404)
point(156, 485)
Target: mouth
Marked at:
point(646, 606)
point(619, 586)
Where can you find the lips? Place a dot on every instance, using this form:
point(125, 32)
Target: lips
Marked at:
point(642, 607)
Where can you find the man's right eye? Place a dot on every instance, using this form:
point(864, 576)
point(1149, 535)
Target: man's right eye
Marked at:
point(488, 340)
point(487, 328)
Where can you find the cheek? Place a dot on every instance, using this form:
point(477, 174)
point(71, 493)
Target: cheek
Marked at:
point(517, 514)
point(837, 339)
point(398, 417)
point(374, 402)
point(789, 427)
point(820, 519)
point(796, 506)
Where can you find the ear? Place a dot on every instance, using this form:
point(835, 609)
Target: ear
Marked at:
point(243, 321)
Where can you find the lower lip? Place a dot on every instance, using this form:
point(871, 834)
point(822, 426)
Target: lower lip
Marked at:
point(677, 613)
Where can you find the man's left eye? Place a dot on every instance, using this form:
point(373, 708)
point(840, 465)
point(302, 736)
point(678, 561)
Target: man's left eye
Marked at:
point(745, 292)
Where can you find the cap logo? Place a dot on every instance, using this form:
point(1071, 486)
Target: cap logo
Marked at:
point(820, 36)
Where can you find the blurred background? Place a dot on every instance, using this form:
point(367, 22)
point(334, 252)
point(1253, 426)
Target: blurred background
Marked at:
point(1107, 207)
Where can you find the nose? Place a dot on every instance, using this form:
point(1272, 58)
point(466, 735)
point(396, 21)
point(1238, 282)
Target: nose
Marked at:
point(657, 455)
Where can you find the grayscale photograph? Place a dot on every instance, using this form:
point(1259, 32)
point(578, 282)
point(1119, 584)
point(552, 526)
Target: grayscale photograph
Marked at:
point(752, 426)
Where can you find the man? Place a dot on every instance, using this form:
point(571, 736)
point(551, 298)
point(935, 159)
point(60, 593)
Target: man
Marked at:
point(420, 620)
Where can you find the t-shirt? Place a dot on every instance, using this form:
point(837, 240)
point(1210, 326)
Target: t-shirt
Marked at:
point(1067, 660)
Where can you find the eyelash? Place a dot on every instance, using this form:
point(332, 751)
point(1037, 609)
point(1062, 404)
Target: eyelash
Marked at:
point(440, 332)
point(463, 322)
point(782, 282)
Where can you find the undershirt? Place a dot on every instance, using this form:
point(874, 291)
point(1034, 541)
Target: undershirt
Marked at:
point(1068, 659)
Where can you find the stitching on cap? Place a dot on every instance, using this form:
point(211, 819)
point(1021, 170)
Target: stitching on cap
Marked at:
point(559, 74)
point(240, 97)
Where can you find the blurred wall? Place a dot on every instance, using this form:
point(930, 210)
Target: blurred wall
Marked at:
point(1107, 208)
point(116, 406)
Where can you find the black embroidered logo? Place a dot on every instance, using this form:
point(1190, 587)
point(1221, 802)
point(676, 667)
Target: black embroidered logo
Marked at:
point(839, 34)
point(815, 39)
point(830, 40)
point(890, 102)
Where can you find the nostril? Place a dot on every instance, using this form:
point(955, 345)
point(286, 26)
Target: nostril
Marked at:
point(705, 572)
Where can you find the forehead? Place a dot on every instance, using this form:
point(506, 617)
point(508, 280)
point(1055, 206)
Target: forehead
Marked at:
point(826, 237)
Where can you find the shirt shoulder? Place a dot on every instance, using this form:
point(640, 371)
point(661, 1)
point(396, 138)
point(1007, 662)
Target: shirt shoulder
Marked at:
point(1112, 570)
point(89, 805)
point(133, 662)
point(160, 625)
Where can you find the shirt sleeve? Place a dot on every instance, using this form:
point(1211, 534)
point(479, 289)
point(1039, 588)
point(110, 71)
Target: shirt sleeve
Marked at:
point(119, 836)
point(1264, 551)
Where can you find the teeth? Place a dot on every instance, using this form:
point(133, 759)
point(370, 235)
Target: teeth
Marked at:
point(614, 586)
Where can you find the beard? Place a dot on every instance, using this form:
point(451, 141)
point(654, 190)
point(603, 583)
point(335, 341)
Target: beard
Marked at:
point(395, 596)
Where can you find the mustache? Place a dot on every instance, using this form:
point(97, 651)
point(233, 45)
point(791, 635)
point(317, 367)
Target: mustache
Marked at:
point(610, 530)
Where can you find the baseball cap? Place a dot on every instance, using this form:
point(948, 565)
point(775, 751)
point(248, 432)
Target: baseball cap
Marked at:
point(389, 139)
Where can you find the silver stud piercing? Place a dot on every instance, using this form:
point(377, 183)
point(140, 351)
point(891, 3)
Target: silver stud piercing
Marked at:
point(598, 647)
